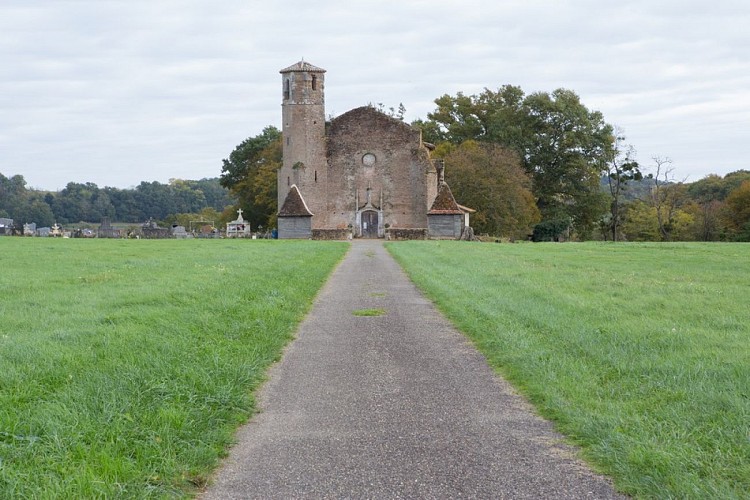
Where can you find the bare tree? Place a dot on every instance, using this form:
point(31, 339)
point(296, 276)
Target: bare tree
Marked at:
point(666, 195)
point(621, 169)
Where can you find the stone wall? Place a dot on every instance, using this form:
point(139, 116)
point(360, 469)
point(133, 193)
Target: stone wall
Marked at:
point(369, 149)
point(399, 233)
point(331, 234)
point(363, 160)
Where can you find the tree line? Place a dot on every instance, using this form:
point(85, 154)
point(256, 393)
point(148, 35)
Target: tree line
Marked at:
point(88, 203)
point(540, 166)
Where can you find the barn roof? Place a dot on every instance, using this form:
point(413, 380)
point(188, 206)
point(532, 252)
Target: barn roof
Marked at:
point(294, 205)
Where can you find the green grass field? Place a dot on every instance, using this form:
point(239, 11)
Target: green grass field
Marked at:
point(639, 352)
point(126, 365)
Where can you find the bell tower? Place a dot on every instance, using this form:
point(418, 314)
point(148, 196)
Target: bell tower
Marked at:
point(303, 131)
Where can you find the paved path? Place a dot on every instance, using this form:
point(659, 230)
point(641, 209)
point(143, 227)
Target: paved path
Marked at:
point(394, 406)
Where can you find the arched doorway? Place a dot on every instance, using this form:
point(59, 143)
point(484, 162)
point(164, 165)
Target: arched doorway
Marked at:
point(370, 224)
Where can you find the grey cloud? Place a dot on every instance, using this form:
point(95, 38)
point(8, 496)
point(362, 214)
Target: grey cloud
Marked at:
point(124, 91)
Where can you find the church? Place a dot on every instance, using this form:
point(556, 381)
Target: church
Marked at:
point(364, 174)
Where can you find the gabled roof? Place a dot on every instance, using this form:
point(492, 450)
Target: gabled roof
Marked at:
point(302, 66)
point(370, 115)
point(366, 121)
point(445, 203)
point(294, 205)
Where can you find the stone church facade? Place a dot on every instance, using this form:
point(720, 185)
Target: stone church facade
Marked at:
point(364, 174)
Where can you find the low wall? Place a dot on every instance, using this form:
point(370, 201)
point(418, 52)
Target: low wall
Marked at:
point(397, 233)
point(331, 234)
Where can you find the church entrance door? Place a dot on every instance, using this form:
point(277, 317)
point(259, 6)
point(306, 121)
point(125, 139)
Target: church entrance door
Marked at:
point(369, 224)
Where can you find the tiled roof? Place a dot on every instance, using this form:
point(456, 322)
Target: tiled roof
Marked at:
point(302, 66)
point(444, 203)
point(294, 205)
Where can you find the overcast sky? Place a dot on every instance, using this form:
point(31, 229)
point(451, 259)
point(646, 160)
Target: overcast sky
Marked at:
point(116, 92)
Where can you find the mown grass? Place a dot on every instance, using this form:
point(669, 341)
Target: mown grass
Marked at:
point(126, 365)
point(640, 353)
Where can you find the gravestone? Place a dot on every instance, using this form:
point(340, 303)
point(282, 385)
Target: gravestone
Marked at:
point(238, 228)
point(106, 230)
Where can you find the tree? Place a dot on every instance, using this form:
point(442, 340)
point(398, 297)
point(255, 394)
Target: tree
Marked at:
point(621, 169)
point(75, 203)
point(733, 180)
point(187, 198)
point(562, 145)
point(13, 194)
point(456, 119)
point(258, 192)
point(492, 116)
point(244, 158)
point(551, 230)
point(708, 194)
point(640, 222)
point(101, 206)
point(667, 196)
point(125, 205)
point(568, 144)
point(490, 178)
point(154, 200)
point(707, 223)
point(216, 196)
point(250, 175)
point(738, 211)
point(88, 203)
point(36, 210)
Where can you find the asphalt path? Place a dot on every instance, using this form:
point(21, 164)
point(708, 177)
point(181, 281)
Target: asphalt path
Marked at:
point(399, 405)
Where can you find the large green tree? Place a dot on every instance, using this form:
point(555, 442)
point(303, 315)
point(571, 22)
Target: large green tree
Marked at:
point(250, 174)
point(562, 144)
point(36, 210)
point(490, 178)
point(13, 195)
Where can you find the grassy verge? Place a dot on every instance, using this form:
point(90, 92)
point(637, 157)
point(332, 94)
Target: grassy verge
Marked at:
point(639, 352)
point(126, 365)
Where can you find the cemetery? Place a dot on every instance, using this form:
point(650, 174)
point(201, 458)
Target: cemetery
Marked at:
point(6, 226)
point(238, 228)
